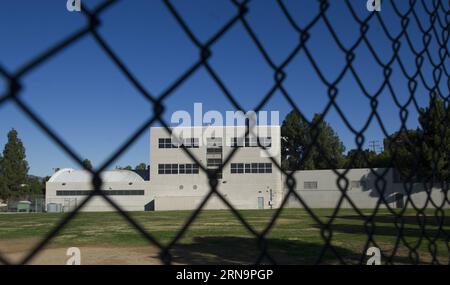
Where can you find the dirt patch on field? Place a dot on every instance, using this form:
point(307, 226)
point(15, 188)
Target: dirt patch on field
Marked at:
point(16, 250)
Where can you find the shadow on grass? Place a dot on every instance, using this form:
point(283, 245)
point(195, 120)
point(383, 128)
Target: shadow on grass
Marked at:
point(240, 250)
point(406, 220)
point(388, 231)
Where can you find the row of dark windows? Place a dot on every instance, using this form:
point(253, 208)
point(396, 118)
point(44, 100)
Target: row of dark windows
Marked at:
point(213, 162)
point(353, 184)
point(251, 142)
point(251, 167)
point(173, 168)
point(107, 192)
point(169, 143)
point(215, 142)
point(214, 150)
point(310, 184)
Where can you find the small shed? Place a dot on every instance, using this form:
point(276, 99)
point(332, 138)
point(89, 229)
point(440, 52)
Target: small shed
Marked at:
point(23, 206)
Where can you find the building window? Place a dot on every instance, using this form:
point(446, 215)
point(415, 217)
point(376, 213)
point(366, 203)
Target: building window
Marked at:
point(251, 142)
point(254, 167)
point(251, 167)
point(261, 167)
point(237, 168)
point(214, 150)
point(310, 185)
point(167, 168)
point(194, 168)
point(167, 143)
point(189, 168)
point(161, 168)
point(191, 143)
point(213, 162)
point(268, 167)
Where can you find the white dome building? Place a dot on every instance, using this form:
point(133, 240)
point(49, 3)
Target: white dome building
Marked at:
point(67, 189)
point(83, 176)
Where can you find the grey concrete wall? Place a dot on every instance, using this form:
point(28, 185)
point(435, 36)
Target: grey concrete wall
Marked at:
point(328, 194)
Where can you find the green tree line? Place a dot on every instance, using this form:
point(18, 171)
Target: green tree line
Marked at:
point(422, 153)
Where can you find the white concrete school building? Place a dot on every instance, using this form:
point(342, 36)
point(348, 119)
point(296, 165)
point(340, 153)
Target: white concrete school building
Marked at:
point(250, 180)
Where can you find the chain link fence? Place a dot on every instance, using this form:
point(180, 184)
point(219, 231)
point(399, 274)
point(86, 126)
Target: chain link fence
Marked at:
point(436, 31)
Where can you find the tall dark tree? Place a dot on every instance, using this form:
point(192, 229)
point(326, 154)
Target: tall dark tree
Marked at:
point(13, 166)
point(4, 191)
point(87, 164)
point(404, 148)
point(308, 147)
point(435, 123)
point(34, 186)
point(424, 153)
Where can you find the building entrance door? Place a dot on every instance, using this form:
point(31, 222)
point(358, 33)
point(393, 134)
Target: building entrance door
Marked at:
point(260, 202)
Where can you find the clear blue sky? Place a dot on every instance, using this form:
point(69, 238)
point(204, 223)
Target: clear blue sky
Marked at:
point(84, 97)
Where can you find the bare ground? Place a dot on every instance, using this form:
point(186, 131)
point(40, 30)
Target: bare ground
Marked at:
point(16, 250)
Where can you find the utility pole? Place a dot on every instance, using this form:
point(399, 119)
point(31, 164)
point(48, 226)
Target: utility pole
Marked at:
point(375, 146)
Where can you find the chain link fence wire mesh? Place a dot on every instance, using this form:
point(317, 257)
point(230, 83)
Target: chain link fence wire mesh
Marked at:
point(434, 34)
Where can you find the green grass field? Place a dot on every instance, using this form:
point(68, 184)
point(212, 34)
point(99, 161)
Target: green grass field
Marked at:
point(219, 237)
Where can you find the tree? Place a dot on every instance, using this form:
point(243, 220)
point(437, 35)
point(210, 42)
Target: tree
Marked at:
point(366, 159)
point(424, 153)
point(4, 191)
point(404, 148)
point(360, 158)
point(87, 164)
point(382, 160)
point(141, 166)
point(128, 167)
point(309, 146)
point(13, 167)
point(435, 123)
point(33, 187)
